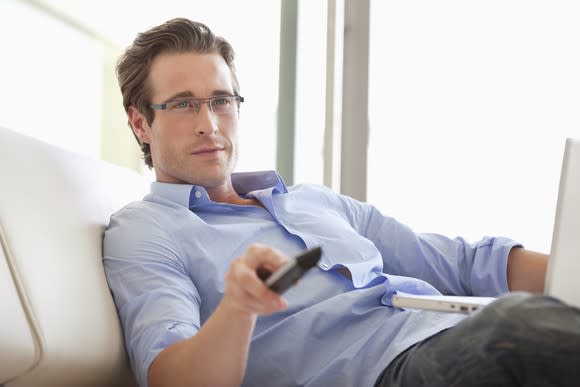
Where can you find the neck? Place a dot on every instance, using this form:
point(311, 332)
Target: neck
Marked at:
point(227, 194)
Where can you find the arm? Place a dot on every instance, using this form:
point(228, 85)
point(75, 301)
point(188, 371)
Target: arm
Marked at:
point(453, 266)
point(217, 354)
point(526, 270)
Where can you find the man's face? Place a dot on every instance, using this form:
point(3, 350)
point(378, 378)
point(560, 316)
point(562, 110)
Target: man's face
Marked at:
point(196, 148)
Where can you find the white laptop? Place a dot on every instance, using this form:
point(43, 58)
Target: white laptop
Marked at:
point(563, 274)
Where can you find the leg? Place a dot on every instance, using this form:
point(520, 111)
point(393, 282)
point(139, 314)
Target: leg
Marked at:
point(517, 340)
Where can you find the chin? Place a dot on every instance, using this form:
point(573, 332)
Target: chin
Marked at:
point(212, 181)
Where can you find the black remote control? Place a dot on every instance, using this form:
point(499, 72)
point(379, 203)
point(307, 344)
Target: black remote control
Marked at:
point(289, 273)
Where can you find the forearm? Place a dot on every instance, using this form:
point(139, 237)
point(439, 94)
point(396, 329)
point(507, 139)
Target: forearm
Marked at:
point(218, 354)
point(215, 356)
point(526, 270)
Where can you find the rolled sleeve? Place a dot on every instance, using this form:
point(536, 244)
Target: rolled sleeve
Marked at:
point(488, 275)
point(157, 302)
point(152, 341)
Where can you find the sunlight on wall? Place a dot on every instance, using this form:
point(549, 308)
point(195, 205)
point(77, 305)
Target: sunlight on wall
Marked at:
point(51, 79)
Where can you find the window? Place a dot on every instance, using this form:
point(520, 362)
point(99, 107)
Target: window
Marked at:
point(469, 106)
point(310, 92)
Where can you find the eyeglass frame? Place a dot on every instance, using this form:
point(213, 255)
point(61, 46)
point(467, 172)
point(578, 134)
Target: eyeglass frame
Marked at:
point(199, 101)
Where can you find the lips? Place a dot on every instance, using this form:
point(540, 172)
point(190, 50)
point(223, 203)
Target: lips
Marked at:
point(207, 149)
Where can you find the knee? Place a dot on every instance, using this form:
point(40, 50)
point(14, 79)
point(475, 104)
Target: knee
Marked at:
point(524, 306)
point(523, 316)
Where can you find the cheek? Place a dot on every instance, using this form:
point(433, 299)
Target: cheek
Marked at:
point(164, 143)
point(235, 147)
point(169, 135)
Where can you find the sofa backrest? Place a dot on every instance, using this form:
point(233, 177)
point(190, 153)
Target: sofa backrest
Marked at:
point(58, 322)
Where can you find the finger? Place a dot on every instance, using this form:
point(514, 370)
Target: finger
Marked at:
point(246, 301)
point(263, 256)
point(240, 276)
point(248, 279)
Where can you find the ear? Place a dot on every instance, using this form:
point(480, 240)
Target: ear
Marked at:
point(139, 125)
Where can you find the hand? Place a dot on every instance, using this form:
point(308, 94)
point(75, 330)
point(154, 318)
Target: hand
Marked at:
point(245, 291)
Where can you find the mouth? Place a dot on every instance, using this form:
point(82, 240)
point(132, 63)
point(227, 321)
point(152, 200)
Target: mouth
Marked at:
point(207, 150)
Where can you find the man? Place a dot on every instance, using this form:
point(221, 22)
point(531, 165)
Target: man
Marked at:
point(182, 264)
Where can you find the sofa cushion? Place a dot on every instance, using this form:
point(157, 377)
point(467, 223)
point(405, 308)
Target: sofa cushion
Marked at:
point(54, 205)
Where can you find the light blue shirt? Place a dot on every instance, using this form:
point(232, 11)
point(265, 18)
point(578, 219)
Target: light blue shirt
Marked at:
point(166, 257)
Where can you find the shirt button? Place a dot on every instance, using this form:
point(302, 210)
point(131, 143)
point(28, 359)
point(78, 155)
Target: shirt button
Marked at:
point(197, 194)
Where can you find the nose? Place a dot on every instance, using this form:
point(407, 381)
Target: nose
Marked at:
point(206, 122)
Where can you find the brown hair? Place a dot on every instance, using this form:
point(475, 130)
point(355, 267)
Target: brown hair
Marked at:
point(174, 36)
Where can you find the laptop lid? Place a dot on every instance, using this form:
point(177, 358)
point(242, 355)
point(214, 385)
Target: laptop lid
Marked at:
point(563, 274)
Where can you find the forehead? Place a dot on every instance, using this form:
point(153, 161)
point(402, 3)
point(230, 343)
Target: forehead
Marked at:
point(202, 75)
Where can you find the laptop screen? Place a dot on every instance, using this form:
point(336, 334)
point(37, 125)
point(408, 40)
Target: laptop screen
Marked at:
point(563, 274)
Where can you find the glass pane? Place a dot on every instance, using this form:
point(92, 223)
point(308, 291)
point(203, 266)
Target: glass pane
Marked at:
point(310, 92)
point(470, 103)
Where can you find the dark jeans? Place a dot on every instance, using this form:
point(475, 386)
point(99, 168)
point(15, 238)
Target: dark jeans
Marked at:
point(519, 340)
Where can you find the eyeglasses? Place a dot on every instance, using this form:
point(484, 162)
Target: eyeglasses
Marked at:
point(225, 104)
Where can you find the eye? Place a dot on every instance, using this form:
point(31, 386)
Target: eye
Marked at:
point(181, 104)
point(222, 101)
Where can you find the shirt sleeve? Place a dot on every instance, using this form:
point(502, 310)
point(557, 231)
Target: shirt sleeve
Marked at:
point(453, 266)
point(157, 302)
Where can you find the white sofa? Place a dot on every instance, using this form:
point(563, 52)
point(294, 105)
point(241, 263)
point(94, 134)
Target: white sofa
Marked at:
point(58, 323)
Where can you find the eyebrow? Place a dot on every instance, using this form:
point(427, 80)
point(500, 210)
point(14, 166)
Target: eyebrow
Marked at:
point(189, 94)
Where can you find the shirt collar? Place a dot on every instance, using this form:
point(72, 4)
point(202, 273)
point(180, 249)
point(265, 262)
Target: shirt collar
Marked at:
point(246, 182)
point(189, 195)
